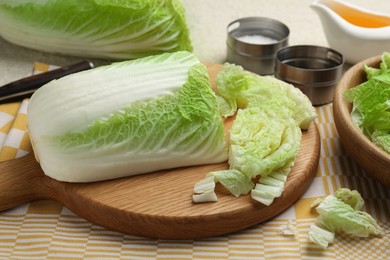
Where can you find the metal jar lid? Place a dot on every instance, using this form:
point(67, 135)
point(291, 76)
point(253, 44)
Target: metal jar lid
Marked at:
point(256, 57)
point(314, 69)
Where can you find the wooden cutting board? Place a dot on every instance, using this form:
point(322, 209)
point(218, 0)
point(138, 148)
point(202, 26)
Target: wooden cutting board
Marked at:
point(159, 204)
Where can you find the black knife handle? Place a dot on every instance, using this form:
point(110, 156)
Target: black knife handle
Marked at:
point(25, 87)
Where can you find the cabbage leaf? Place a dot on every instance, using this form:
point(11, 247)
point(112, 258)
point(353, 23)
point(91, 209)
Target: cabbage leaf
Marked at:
point(127, 118)
point(108, 29)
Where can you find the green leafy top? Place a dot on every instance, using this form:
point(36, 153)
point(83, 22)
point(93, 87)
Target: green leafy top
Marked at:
point(178, 121)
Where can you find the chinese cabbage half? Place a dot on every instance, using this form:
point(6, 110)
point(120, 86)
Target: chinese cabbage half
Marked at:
point(96, 28)
point(127, 118)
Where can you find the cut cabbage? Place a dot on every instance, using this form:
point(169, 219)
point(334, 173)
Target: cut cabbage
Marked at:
point(241, 89)
point(96, 28)
point(127, 118)
point(266, 134)
point(341, 213)
point(233, 180)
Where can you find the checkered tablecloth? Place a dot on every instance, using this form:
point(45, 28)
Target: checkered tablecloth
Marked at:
point(47, 230)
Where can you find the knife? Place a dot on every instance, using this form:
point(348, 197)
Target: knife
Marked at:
point(24, 88)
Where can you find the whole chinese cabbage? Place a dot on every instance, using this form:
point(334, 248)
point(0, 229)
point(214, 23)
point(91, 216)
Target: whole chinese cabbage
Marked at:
point(96, 28)
point(127, 118)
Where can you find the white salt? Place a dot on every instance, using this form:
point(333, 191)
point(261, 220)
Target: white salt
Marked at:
point(257, 39)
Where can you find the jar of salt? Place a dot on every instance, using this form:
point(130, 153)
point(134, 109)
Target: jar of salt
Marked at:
point(252, 42)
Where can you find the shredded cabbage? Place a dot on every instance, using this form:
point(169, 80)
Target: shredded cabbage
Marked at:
point(96, 28)
point(127, 118)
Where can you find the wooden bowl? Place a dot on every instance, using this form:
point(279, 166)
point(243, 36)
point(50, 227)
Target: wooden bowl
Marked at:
point(367, 155)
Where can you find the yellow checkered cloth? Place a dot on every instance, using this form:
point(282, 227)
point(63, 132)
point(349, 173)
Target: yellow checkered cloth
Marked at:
point(47, 230)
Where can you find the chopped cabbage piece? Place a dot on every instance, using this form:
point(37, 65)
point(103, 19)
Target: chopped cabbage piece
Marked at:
point(205, 185)
point(208, 196)
point(288, 229)
point(320, 236)
point(234, 181)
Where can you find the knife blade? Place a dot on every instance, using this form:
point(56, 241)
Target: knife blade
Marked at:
point(25, 87)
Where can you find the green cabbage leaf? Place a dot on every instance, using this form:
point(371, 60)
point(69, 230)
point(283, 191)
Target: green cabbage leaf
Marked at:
point(108, 29)
point(127, 118)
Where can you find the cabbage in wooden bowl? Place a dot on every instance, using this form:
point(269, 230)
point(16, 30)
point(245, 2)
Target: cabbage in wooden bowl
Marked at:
point(373, 158)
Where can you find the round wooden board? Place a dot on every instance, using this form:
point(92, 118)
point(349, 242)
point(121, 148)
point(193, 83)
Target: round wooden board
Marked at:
point(159, 204)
